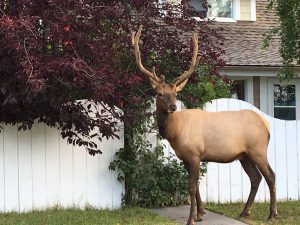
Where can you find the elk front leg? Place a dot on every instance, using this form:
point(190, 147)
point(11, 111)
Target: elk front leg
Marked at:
point(192, 167)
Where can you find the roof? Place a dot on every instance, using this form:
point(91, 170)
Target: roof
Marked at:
point(244, 39)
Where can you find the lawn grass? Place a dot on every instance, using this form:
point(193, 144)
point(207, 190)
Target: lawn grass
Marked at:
point(127, 216)
point(289, 212)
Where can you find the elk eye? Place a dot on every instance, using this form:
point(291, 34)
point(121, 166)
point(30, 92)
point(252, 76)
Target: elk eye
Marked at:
point(160, 94)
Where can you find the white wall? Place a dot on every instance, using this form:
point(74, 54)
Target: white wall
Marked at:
point(38, 170)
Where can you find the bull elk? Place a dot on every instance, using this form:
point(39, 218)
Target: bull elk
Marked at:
point(200, 136)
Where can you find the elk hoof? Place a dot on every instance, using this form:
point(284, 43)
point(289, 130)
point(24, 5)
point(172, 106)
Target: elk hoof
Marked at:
point(244, 214)
point(199, 217)
point(272, 216)
point(191, 222)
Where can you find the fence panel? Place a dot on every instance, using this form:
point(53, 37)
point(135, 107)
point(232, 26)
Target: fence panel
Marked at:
point(52, 145)
point(80, 176)
point(281, 160)
point(66, 163)
point(25, 170)
point(212, 183)
point(292, 160)
point(2, 172)
point(39, 170)
point(11, 169)
point(39, 189)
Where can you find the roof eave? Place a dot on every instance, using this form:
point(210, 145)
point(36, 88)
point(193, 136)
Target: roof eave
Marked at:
point(257, 67)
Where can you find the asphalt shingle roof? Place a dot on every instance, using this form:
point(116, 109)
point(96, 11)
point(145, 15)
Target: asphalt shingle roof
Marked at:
point(244, 39)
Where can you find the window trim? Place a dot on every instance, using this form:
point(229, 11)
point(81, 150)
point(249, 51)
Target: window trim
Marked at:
point(253, 10)
point(236, 9)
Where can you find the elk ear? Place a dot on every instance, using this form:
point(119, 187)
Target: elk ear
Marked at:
point(154, 84)
point(180, 86)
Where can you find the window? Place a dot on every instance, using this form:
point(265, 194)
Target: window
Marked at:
point(238, 90)
point(222, 10)
point(196, 7)
point(284, 102)
point(216, 8)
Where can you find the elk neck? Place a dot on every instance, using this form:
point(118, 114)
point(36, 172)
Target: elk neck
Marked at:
point(162, 118)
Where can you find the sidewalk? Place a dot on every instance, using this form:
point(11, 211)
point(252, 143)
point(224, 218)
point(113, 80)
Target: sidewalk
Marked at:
point(180, 215)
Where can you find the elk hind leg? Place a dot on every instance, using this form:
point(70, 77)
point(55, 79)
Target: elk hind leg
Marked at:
point(255, 178)
point(269, 175)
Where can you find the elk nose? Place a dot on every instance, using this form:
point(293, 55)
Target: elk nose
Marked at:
point(173, 107)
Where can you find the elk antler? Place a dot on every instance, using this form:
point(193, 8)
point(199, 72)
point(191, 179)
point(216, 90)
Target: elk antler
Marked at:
point(137, 53)
point(195, 61)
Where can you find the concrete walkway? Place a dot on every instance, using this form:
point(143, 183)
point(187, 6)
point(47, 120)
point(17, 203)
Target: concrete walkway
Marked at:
point(180, 215)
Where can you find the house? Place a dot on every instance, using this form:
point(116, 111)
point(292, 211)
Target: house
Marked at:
point(253, 68)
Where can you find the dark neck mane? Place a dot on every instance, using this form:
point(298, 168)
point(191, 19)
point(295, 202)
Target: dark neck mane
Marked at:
point(161, 117)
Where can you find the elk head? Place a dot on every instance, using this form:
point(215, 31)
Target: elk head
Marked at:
point(166, 93)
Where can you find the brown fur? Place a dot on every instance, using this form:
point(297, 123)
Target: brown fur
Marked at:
point(209, 135)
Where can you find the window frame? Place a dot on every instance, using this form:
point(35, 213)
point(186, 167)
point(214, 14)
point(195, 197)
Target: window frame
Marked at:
point(274, 81)
point(236, 12)
point(285, 106)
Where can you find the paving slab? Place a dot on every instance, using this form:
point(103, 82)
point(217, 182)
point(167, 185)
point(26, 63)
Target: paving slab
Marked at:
point(180, 215)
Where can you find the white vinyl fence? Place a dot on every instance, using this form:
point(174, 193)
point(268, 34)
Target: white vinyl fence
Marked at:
point(38, 170)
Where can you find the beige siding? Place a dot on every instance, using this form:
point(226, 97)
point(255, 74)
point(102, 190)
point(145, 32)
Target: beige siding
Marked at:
point(245, 10)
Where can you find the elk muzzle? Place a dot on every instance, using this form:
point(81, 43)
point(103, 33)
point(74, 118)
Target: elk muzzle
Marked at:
point(172, 108)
